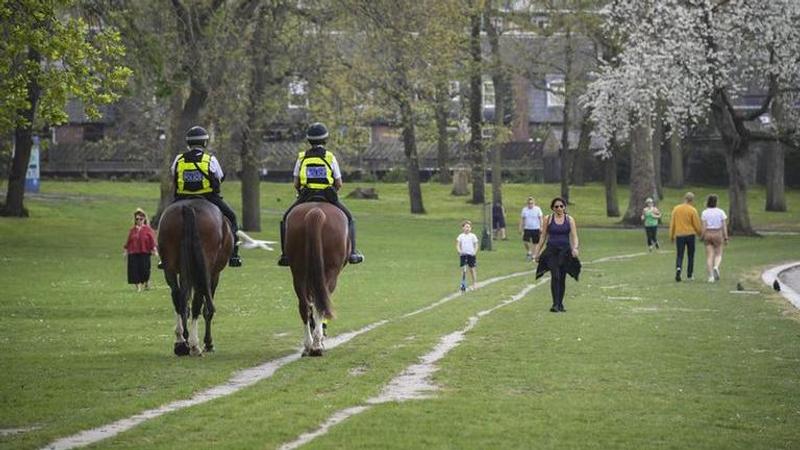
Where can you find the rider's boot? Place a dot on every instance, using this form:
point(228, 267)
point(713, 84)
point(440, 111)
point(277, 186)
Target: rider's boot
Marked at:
point(284, 260)
point(235, 260)
point(355, 256)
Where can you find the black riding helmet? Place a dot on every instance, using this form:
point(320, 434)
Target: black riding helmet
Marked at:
point(317, 133)
point(197, 136)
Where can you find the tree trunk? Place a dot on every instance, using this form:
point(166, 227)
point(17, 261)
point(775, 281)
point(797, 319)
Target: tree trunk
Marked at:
point(658, 141)
point(500, 92)
point(251, 191)
point(23, 142)
point(776, 188)
point(564, 154)
point(642, 181)
point(739, 222)
point(676, 160)
point(251, 136)
point(497, 148)
point(734, 137)
point(412, 161)
point(442, 147)
point(460, 180)
point(185, 117)
point(173, 144)
point(610, 182)
point(584, 142)
point(475, 112)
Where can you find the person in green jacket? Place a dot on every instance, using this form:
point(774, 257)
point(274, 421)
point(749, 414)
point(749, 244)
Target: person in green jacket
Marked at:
point(651, 216)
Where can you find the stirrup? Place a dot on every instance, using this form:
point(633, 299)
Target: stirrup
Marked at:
point(355, 258)
point(283, 261)
point(235, 261)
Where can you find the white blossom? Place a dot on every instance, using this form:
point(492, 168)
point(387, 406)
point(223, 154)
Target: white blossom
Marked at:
point(679, 52)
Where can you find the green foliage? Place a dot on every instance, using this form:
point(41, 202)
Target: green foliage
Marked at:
point(44, 46)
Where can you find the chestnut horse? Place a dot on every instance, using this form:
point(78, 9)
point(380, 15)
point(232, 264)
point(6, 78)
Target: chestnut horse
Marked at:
point(317, 246)
point(195, 243)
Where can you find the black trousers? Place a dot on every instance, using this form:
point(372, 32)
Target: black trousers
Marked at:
point(558, 278)
point(687, 243)
point(651, 235)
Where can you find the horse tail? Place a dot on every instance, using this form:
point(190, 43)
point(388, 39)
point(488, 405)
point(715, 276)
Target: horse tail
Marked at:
point(315, 269)
point(194, 273)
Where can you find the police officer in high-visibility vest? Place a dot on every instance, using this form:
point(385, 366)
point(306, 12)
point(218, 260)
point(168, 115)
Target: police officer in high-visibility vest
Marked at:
point(198, 174)
point(316, 174)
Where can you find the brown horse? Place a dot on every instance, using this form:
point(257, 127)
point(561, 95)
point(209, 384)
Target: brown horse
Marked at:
point(195, 243)
point(317, 246)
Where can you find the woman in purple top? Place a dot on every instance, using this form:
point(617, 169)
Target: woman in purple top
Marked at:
point(560, 255)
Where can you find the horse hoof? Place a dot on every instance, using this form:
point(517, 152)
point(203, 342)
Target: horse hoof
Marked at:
point(181, 349)
point(209, 349)
point(315, 352)
point(195, 351)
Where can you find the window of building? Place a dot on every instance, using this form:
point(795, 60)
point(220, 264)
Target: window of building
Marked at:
point(298, 94)
point(555, 91)
point(488, 94)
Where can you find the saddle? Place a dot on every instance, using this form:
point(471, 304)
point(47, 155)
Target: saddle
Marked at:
point(324, 196)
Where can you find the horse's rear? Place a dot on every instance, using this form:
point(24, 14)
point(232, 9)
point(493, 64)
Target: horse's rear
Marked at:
point(195, 243)
point(317, 247)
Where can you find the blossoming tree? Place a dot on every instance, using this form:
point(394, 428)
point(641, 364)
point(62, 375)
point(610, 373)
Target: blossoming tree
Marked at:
point(696, 57)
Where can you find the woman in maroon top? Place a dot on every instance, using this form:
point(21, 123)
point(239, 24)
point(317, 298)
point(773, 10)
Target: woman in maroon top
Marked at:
point(140, 245)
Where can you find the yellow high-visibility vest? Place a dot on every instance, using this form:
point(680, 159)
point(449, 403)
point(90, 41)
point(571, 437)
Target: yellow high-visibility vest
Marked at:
point(316, 172)
point(193, 177)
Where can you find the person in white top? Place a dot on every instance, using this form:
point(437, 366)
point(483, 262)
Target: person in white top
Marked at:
point(714, 234)
point(467, 248)
point(530, 226)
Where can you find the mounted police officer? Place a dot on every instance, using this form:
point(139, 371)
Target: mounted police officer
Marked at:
point(198, 174)
point(317, 175)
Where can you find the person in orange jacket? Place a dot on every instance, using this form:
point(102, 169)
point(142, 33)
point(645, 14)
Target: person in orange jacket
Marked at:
point(684, 226)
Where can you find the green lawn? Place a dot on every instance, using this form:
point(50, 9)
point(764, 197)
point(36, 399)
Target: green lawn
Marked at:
point(638, 361)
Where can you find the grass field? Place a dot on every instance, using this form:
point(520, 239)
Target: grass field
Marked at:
point(638, 361)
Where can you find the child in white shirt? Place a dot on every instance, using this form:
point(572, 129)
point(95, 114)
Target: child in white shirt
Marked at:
point(467, 248)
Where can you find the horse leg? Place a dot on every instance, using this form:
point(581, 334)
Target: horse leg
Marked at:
point(316, 333)
point(184, 294)
point(194, 340)
point(180, 348)
point(209, 314)
point(305, 317)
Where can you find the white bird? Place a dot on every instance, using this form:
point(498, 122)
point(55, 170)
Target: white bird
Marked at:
point(248, 242)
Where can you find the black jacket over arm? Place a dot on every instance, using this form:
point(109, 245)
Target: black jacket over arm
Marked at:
point(571, 264)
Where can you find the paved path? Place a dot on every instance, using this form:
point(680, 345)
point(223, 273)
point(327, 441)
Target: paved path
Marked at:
point(788, 275)
point(791, 277)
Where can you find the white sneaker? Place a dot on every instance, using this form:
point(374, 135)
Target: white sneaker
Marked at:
point(711, 279)
point(716, 273)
